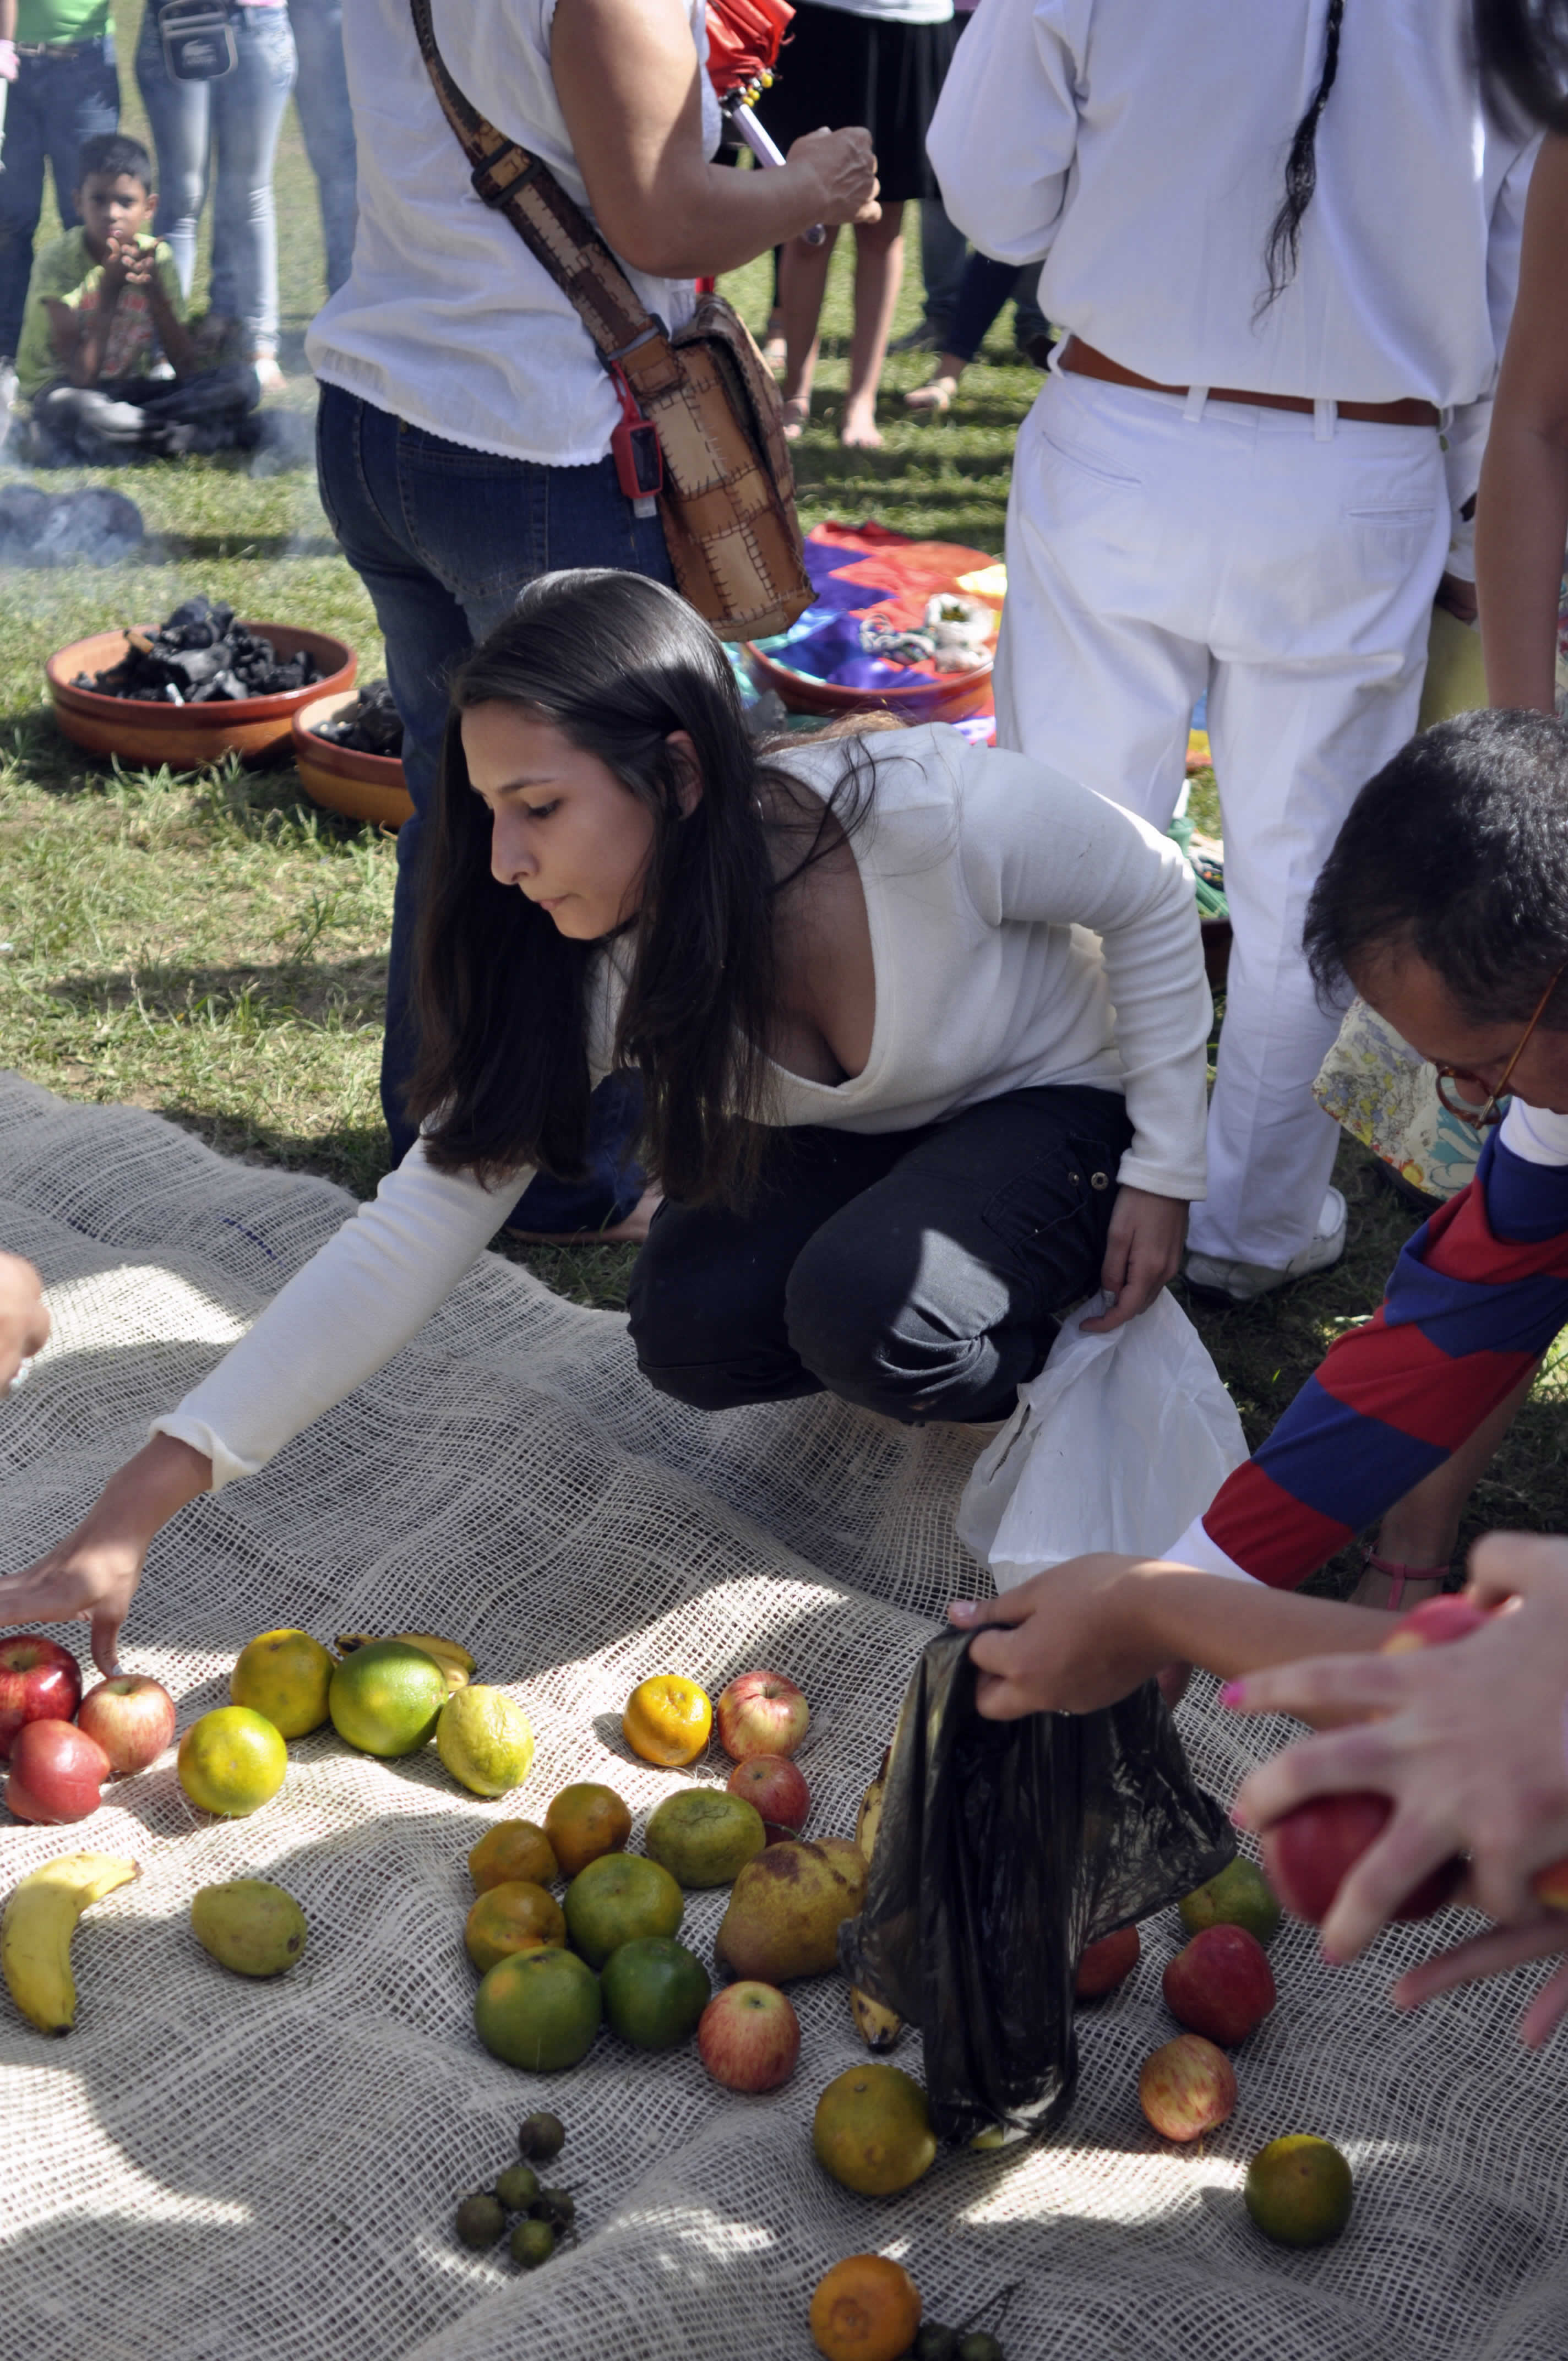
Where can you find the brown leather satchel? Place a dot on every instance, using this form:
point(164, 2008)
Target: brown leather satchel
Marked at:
point(702, 425)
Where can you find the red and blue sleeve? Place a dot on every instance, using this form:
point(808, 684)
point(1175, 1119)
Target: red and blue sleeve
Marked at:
point(1475, 1298)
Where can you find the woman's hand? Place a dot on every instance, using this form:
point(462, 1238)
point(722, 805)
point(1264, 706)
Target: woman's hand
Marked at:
point(1466, 1741)
point(1494, 1955)
point(91, 1576)
point(23, 1315)
point(1068, 1640)
point(1143, 1252)
point(844, 164)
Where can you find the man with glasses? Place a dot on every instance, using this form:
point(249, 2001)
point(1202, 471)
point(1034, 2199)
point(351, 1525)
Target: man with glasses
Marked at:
point(1444, 903)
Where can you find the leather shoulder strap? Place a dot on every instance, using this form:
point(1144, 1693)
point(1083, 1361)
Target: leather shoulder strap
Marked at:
point(555, 230)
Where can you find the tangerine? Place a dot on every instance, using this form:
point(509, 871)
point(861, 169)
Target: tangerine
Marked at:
point(513, 1848)
point(1299, 2190)
point(584, 1822)
point(516, 1916)
point(232, 1761)
point(539, 2009)
point(284, 1675)
point(617, 1898)
point(867, 2308)
point(872, 2131)
point(668, 1719)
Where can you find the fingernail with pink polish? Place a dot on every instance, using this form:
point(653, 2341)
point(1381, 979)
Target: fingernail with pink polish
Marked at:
point(961, 1611)
point(1232, 1693)
point(1237, 1820)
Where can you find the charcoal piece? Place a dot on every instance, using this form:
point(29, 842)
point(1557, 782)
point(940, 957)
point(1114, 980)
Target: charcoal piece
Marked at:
point(371, 725)
point(203, 657)
point(197, 624)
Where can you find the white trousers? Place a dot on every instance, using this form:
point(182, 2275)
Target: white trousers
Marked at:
point(1159, 545)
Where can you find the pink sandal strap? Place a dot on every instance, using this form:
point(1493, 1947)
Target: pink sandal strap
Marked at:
point(1399, 1574)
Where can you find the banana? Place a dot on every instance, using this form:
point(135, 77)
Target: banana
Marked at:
point(878, 2027)
point(36, 1930)
point(450, 1654)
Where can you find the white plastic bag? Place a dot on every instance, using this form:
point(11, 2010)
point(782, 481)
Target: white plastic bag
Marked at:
point(1118, 1444)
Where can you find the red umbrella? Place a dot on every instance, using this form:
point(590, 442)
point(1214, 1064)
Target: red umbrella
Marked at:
point(743, 42)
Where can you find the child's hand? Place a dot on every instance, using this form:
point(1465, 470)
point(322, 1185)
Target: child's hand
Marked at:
point(117, 262)
point(1070, 1641)
point(138, 265)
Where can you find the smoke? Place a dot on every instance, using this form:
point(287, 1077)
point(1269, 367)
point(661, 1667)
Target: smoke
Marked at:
point(92, 524)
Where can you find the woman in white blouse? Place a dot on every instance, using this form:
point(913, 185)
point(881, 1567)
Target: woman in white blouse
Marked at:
point(921, 1029)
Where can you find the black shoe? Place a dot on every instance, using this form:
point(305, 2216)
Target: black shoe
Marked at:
point(1038, 349)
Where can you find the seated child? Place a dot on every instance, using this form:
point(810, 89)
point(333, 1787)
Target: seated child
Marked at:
point(104, 305)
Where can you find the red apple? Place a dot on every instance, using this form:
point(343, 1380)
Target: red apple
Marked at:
point(1220, 1985)
point(761, 1713)
point(57, 1772)
point(749, 2037)
point(1107, 1963)
point(40, 1681)
point(779, 1791)
point(1308, 1852)
point(131, 1717)
point(1187, 2088)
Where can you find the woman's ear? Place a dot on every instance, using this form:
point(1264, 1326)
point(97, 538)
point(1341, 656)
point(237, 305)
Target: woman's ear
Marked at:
point(689, 771)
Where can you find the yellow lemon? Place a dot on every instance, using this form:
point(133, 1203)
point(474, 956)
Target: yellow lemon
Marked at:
point(484, 1739)
point(232, 1761)
point(285, 1675)
point(668, 1719)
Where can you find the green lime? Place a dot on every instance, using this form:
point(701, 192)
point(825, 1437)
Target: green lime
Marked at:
point(538, 2009)
point(480, 2220)
point(617, 1898)
point(1239, 1897)
point(516, 2188)
point(1299, 2190)
point(655, 1990)
point(386, 1698)
point(533, 2243)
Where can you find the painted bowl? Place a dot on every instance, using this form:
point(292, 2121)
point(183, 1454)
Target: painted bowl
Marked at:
point(362, 787)
point(186, 736)
point(948, 697)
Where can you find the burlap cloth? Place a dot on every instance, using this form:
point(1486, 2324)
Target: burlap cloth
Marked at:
point(211, 2171)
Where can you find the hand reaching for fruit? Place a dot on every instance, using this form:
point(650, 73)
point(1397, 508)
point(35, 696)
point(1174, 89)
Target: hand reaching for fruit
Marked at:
point(1466, 1744)
point(24, 1316)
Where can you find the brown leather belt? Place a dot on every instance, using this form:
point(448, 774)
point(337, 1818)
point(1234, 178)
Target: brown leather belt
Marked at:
point(1085, 360)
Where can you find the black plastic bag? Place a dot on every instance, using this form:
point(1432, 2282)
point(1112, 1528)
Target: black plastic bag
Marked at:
point(1005, 1848)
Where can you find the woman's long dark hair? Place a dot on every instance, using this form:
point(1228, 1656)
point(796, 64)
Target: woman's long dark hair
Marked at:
point(615, 663)
point(1282, 249)
point(1522, 47)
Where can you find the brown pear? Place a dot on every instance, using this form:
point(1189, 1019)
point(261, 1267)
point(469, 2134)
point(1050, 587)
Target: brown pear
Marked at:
point(787, 1907)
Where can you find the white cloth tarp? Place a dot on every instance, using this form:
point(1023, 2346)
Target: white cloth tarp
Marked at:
point(267, 2171)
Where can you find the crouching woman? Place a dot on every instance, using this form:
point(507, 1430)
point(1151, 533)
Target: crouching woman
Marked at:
point(921, 1029)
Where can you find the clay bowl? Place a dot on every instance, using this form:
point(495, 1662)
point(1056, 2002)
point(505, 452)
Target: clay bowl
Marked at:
point(361, 786)
point(186, 736)
point(948, 697)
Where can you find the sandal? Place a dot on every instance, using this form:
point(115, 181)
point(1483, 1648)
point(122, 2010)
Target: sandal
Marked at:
point(1399, 1574)
point(796, 410)
point(937, 395)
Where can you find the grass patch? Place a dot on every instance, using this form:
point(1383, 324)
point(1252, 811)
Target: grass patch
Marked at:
point(212, 946)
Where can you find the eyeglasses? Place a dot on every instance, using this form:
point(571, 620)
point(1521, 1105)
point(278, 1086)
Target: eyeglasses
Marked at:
point(1482, 1118)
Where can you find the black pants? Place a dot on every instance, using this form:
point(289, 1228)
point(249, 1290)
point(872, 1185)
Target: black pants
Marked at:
point(919, 1273)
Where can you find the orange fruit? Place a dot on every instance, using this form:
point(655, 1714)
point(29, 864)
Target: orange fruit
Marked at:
point(232, 1761)
point(516, 1916)
point(283, 1675)
point(668, 1719)
point(585, 1821)
point(513, 1848)
point(865, 2308)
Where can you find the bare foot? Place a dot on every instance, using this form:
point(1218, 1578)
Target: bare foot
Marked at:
point(858, 432)
point(776, 352)
point(632, 1231)
point(937, 395)
point(796, 410)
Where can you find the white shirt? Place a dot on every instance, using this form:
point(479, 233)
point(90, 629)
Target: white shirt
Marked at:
point(983, 873)
point(447, 319)
point(894, 12)
point(1141, 150)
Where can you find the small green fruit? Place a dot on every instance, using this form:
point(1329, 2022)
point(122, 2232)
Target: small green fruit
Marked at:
point(935, 2342)
point(249, 1925)
point(533, 2243)
point(516, 2188)
point(542, 2137)
point(556, 2206)
point(480, 2220)
point(980, 2345)
point(1240, 1896)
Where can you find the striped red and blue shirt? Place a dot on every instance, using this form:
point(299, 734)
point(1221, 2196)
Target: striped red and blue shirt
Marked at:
point(1475, 1298)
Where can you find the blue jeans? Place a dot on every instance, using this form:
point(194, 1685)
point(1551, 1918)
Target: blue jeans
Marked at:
point(327, 121)
point(55, 102)
point(238, 117)
point(985, 289)
point(444, 538)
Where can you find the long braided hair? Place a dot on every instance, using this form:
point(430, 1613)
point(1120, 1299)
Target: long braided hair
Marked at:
point(1282, 250)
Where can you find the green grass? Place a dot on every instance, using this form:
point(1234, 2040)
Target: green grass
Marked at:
point(212, 947)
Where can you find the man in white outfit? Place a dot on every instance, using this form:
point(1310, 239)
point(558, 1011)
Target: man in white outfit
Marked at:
point(1283, 242)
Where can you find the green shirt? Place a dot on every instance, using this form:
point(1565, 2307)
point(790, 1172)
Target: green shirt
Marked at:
point(63, 20)
point(66, 270)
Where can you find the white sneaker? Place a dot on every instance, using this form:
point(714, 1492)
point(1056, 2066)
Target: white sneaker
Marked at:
point(1243, 1282)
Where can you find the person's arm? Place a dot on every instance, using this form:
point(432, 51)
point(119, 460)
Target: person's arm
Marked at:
point(1036, 847)
point(153, 267)
point(1466, 1741)
point(627, 77)
point(1475, 1297)
point(1521, 513)
point(24, 1316)
point(1004, 133)
point(336, 1323)
point(1086, 1632)
point(8, 49)
point(94, 319)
